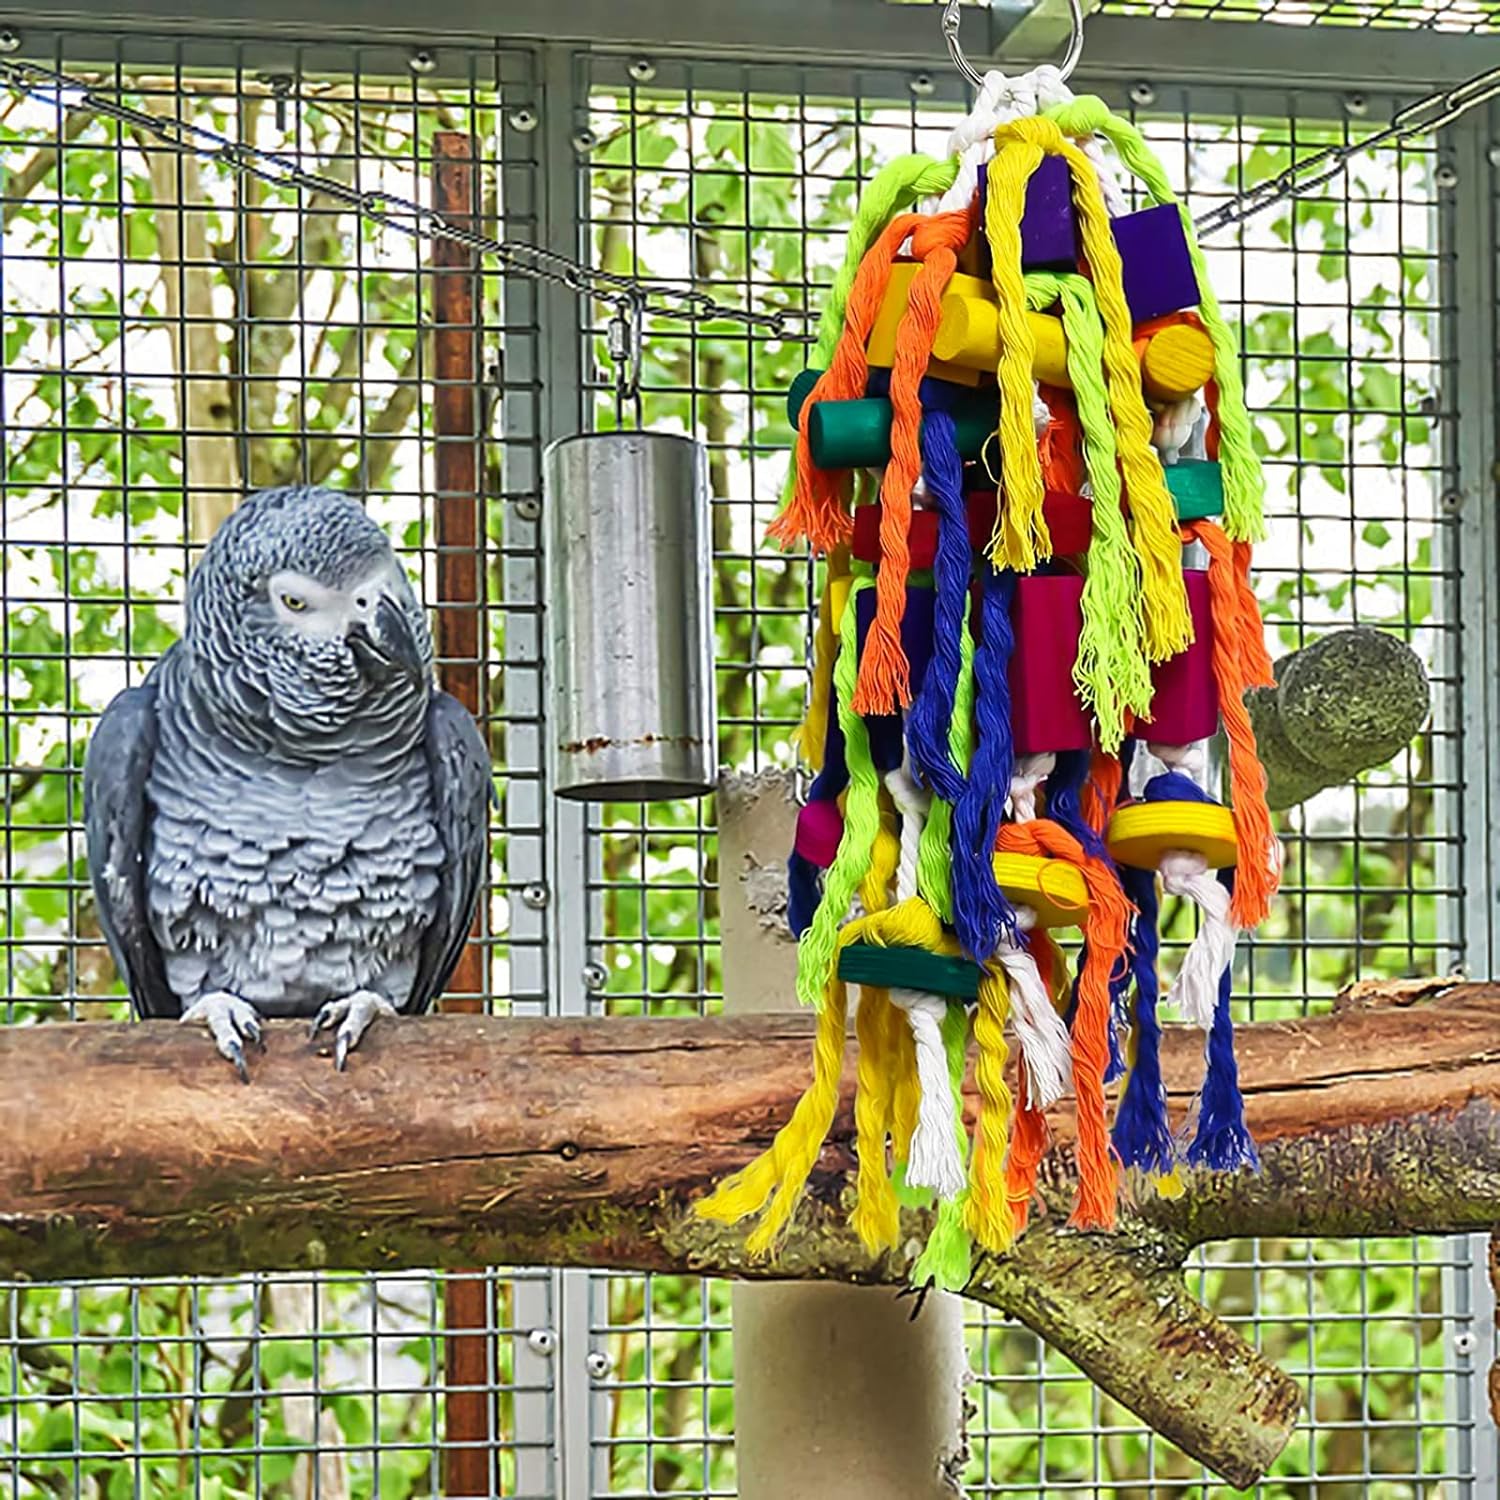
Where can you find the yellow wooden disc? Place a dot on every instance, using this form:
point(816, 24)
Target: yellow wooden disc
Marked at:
point(1140, 833)
point(1178, 361)
point(1052, 888)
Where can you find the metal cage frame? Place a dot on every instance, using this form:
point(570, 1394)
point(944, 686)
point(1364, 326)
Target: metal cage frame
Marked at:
point(550, 60)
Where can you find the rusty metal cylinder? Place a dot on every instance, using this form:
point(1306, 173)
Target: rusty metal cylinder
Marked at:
point(629, 617)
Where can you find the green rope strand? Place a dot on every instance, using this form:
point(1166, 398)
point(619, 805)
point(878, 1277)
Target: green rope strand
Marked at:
point(817, 952)
point(1244, 484)
point(1111, 672)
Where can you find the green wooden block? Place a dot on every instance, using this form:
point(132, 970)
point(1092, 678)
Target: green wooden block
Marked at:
point(801, 389)
point(1197, 488)
point(909, 969)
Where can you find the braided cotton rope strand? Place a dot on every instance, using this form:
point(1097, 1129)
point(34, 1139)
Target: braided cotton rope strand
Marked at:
point(1244, 483)
point(819, 944)
point(1111, 669)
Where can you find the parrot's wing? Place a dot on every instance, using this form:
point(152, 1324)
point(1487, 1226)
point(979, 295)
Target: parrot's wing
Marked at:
point(114, 819)
point(462, 791)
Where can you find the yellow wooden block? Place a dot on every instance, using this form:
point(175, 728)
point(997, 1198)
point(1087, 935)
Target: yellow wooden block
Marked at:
point(1175, 362)
point(970, 335)
point(1053, 889)
point(1140, 833)
point(880, 348)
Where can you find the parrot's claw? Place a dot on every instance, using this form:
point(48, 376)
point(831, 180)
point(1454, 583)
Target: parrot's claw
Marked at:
point(231, 1022)
point(353, 1013)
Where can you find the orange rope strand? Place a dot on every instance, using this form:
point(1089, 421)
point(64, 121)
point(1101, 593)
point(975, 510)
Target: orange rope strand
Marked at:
point(1101, 792)
point(1259, 870)
point(818, 509)
point(1062, 443)
point(1105, 930)
point(884, 679)
point(1255, 660)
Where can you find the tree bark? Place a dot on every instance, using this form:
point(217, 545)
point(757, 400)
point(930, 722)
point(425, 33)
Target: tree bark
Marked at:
point(464, 1140)
point(210, 461)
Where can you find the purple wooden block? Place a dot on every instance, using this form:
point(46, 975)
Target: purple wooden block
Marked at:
point(820, 826)
point(1049, 227)
point(1158, 269)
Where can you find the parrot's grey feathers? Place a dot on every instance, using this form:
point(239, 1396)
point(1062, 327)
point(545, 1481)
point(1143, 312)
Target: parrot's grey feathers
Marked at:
point(461, 793)
point(115, 822)
point(287, 819)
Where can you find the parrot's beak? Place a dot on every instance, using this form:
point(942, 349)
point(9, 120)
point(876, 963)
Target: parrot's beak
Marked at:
point(390, 646)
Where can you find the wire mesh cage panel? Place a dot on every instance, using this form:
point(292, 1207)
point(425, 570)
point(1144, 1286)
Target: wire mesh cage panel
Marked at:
point(175, 333)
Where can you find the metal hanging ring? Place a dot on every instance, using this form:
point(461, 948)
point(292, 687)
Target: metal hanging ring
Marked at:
point(951, 18)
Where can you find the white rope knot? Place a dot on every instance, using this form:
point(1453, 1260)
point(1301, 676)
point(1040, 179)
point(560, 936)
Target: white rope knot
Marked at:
point(912, 802)
point(935, 1160)
point(1195, 991)
point(1030, 772)
point(1190, 760)
point(1174, 428)
point(1045, 1049)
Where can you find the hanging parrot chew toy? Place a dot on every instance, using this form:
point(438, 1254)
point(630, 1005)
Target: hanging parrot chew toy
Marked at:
point(990, 459)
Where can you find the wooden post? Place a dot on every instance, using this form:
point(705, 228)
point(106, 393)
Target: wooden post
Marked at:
point(838, 1392)
point(469, 1403)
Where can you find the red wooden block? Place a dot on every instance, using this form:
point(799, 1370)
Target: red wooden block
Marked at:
point(1184, 695)
point(1046, 713)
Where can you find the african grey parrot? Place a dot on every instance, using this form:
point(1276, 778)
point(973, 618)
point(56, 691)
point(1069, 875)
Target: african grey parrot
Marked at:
point(286, 818)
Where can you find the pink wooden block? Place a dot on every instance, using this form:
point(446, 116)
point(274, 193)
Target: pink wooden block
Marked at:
point(820, 826)
point(1046, 713)
point(1184, 696)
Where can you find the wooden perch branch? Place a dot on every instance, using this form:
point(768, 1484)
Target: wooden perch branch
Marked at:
point(462, 1140)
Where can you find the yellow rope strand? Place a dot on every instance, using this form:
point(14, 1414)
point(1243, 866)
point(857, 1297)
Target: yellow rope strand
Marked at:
point(1164, 597)
point(877, 1213)
point(1021, 538)
point(989, 1215)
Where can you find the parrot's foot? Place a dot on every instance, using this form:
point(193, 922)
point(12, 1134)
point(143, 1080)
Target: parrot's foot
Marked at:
point(231, 1022)
point(354, 1014)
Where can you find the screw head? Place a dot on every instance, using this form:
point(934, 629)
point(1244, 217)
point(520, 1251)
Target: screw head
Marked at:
point(642, 69)
point(595, 977)
point(1142, 93)
point(542, 1341)
point(1357, 105)
point(529, 508)
point(584, 140)
point(1494, 154)
point(1464, 1342)
point(10, 41)
point(598, 1364)
point(423, 60)
point(921, 85)
point(1446, 175)
point(525, 119)
point(1451, 502)
point(535, 895)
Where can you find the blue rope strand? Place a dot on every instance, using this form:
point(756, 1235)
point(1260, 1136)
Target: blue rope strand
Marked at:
point(981, 913)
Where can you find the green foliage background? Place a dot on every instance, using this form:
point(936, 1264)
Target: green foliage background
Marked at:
point(312, 325)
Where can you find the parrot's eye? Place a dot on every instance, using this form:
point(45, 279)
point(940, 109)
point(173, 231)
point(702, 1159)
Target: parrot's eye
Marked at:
point(293, 603)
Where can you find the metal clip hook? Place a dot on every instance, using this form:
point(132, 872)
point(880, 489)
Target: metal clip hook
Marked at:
point(624, 348)
point(951, 19)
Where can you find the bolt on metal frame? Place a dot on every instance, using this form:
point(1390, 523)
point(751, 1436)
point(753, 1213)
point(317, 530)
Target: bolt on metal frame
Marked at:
point(617, 1384)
